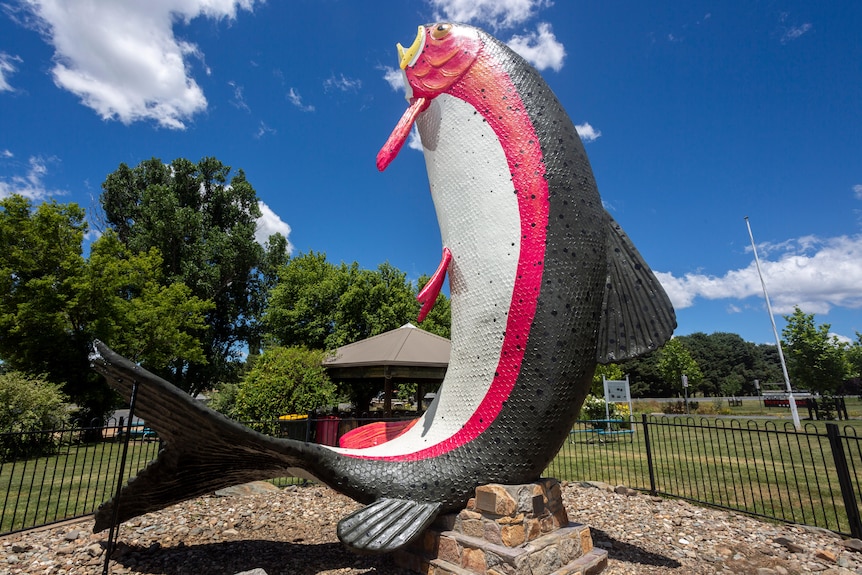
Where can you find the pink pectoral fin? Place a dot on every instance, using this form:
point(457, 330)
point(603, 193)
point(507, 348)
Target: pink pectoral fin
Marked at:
point(399, 134)
point(428, 295)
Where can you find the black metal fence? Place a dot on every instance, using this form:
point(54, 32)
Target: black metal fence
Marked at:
point(50, 476)
point(812, 477)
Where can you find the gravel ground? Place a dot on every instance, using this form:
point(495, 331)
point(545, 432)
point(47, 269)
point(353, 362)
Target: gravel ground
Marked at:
point(292, 531)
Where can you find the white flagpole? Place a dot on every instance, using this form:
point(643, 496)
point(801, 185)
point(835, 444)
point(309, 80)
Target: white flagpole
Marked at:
point(793, 411)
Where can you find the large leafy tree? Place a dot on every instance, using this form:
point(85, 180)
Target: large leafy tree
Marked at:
point(815, 359)
point(202, 219)
point(611, 372)
point(40, 266)
point(53, 302)
point(323, 305)
point(303, 304)
point(854, 358)
point(674, 361)
point(730, 364)
point(132, 309)
point(374, 302)
point(645, 377)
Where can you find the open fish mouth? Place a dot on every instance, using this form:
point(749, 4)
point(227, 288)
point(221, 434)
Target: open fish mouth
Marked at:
point(408, 56)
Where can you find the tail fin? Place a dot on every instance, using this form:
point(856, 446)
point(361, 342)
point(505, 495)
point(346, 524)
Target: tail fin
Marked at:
point(203, 450)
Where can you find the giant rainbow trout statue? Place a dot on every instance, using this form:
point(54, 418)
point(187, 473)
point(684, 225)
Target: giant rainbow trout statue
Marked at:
point(544, 284)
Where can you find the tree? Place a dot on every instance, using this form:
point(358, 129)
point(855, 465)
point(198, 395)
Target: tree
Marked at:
point(611, 371)
point(203, 225)
point(223, 398)
point(373, 303)
point(323, 305)
point(41, 309)
point(143, 319)
point(730, 364)
point(53, 303)
point(303, 304)
point(815, 360)
point(674, 361)
point(281, 381)
point(31, 403)
point(854, 359)
point(645, 378)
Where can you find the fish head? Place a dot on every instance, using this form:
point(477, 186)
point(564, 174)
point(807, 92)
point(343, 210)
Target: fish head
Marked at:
point(441, 54)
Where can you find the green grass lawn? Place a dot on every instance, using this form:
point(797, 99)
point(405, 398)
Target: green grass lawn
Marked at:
point(69, 484)
point(763, 468)
point(749, 407)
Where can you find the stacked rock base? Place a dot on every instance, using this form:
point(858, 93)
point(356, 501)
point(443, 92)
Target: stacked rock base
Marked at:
point(507, 530)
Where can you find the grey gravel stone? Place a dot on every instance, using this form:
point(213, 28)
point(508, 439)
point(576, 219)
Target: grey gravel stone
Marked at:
point(292, 531)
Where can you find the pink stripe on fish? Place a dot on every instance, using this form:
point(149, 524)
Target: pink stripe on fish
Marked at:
point(495, 97)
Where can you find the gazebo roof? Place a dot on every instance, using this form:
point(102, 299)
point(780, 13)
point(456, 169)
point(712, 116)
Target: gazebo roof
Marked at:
point(406, 352)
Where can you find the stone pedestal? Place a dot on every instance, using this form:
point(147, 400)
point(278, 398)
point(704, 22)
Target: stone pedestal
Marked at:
point(507, 530)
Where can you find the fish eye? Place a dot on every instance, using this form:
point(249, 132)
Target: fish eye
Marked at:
point(440, 31)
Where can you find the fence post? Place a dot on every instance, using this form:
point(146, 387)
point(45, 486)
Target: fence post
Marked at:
point(844, 480)
point(115, 512)
point(652, 489)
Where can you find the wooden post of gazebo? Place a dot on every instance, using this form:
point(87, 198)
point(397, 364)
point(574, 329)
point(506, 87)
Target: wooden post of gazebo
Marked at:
point(387, 391)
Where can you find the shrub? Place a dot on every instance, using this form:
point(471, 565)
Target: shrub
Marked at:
point(284, 380)
point(594, 408)
point(678, 407)
point(29, 407)
point(223, 399)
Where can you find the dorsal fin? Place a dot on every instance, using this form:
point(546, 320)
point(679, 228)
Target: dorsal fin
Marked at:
point(637, 316)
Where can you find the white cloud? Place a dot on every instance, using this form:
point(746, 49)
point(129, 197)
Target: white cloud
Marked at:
point(394, 77)
point(6, 154)
point(857, 191)
point(31, 185)
point(815, 274)
point(269, 223)
point(7, 68)
point(841, 338)
point(263, 130)
point(342, 83)
point(123, 59)
point(795, 32)
point(540, 48)
point(497, 14)
point(587, 132)
point(414, 142)
point(238, 100)
point(296, 100)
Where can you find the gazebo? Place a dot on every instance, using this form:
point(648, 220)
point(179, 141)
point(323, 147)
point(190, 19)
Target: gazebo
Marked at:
point(406, 354)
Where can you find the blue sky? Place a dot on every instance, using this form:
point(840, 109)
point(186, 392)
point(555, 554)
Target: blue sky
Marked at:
point(694, 115)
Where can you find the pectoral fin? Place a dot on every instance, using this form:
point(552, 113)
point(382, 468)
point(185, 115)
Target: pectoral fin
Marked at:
point(428, 296)
point(386, 524)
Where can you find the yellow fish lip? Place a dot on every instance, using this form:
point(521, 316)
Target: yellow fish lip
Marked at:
point(409, 56)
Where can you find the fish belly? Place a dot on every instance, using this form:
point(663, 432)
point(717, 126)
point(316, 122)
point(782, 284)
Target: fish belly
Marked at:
point(479, 220)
